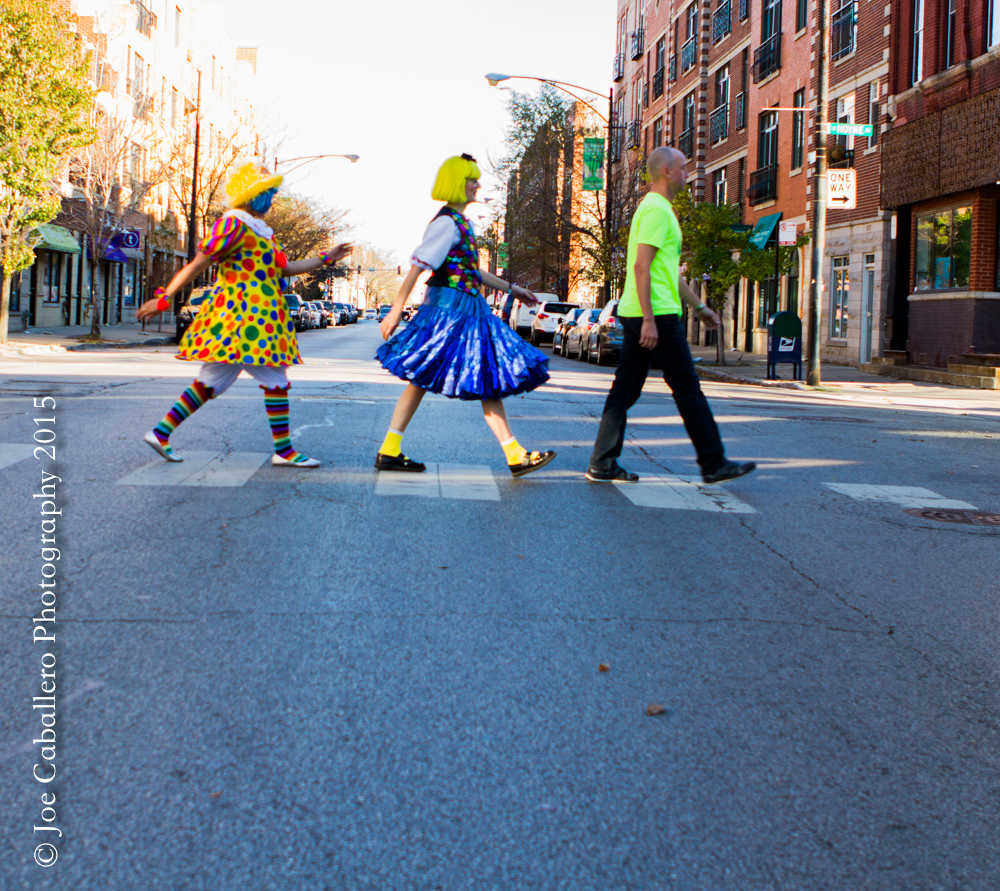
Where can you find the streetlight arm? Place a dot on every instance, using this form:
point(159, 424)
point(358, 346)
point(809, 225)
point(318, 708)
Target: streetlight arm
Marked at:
point(305, 159)
point(494, 79)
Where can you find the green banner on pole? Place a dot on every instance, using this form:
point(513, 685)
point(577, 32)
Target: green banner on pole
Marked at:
point(502, 254)
point(593, 164)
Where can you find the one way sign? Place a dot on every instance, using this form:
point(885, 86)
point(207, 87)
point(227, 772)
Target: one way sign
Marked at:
point(843, 188)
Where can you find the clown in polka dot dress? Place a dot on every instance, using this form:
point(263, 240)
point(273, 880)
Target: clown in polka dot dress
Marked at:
point(245, 325)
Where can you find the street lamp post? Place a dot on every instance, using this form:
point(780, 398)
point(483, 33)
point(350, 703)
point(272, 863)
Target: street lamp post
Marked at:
point(305, 159)
point(494, 79)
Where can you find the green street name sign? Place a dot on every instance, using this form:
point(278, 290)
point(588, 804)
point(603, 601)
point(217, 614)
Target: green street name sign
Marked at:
point(835, 129)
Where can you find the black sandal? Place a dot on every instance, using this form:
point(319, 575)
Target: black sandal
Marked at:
point(532, 461)
point(398, 462)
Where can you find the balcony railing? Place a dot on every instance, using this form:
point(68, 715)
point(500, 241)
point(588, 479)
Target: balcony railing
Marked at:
point(145, 20)
point(633, 134)
point(685, 142)
point(763, 185)
point(767, 58)
point(744, 10)
point(673, 68)
point(722, 21)
point(619, 67)
point(638, 43)
point(842, 32)
point(688, 52)
point(718, 124)
point(658, 83)
point(741, 110)
point(840, 157)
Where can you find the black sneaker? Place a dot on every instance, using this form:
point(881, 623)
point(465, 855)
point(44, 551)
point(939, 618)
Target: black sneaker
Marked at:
point(617, 474)
point(730, 470)
point(398, 462)
point(532, 461)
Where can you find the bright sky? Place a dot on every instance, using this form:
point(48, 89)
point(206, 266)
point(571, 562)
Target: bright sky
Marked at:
point(402, 85)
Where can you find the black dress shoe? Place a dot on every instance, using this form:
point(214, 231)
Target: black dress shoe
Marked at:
point(731, 470)
point(617, 474)
point(398, 462)
point(532, 461)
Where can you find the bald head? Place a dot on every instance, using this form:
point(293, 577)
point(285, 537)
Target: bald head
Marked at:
point(662, 162)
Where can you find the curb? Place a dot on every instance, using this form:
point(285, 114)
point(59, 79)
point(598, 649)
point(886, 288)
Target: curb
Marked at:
point(726, 377)
point(153, 341)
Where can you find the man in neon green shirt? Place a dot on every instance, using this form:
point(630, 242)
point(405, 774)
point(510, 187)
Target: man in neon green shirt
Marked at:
point(650, 316)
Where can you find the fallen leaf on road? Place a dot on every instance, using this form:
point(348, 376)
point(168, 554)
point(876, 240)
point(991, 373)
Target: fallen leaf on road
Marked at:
point(604, 667)
point(654, 709)
point(215, 795)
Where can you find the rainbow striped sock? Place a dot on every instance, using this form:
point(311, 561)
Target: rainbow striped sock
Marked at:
point(193, 398)
point(276, 403)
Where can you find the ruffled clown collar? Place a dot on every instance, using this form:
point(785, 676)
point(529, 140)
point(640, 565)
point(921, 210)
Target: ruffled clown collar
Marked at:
point(256, 225)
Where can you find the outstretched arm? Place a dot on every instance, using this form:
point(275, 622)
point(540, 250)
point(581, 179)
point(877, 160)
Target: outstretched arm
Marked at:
point(188, 274)
point(390, 322)
point(297, 267)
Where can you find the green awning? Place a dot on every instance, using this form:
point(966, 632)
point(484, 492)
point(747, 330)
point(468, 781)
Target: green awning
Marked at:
point(761, 234)
point(55, 238)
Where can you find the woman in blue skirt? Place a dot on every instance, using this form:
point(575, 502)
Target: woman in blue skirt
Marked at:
point(454, 345)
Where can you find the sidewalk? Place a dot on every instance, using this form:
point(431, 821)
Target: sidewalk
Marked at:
point(41, 341)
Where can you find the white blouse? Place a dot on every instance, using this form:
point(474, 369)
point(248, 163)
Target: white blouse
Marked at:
point(439, 238)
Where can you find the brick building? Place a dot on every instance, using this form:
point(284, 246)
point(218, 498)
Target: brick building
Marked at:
point(711, 72)
point(940, 174)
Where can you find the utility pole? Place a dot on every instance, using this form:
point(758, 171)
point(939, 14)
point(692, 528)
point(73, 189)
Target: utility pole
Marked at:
point(192, 225)
point(813, 376)
point(607, 197)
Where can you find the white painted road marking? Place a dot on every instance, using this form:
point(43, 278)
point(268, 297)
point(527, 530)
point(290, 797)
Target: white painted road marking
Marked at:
point(211, 469)
point(463, 482)
point(11, 453)
point(682, 493)
point(906, 496)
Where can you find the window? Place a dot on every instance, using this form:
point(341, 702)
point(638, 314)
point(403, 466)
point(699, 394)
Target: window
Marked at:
point(658, 133)
point(843, 30)
point(944, 248)
point(660, 53)
point(767, 144)
point(685, 142)
point(838, 297)
point(173, 107)
point(177, 26)
point(798, 129)
point(993, 32)
point(874, 113)
point(719, 192)
point(793, 284)
point(767, 305)
point(770, 23)
point(845, 115)
point(949, 39)
point(689, 50)
point(801, 14)
point(719, 119)
point(917, 54)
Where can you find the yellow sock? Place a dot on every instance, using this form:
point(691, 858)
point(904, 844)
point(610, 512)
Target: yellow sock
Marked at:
point(514, 451)
point(392, 445)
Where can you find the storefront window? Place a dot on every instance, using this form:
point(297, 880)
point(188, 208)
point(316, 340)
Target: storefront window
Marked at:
point(839, 296)
point(944, 249)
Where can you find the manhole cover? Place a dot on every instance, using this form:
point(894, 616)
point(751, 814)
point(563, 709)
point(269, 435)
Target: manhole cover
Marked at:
point(966, 517)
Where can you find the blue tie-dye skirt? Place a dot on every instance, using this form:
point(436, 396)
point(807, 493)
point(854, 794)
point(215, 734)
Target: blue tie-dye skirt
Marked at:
point(455, 346)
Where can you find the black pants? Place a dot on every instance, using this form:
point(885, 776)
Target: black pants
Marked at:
point(674, 357)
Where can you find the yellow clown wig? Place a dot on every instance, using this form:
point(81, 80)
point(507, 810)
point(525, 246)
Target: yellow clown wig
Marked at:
point(450, 183)
point(248, 182)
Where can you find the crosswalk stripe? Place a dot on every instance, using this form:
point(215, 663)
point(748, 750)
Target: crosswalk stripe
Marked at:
point(682, 493)
point(463, 482)
point(416, 485)
point(12, 452)
point(907, 496)
point(211, 469)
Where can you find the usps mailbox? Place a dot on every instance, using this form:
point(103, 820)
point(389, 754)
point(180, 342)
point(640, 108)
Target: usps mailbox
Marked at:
point(784, 343)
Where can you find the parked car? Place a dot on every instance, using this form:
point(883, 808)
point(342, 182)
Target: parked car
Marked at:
point(383, 311)
point(370, 314)
point(522, 315)
point(548, 315)
point(298, 312)
point(190, 308)
point(330, 310)
point(504, 307)
point(313, 317)
point(348, 313)
point(604, 340)
point(575, 337)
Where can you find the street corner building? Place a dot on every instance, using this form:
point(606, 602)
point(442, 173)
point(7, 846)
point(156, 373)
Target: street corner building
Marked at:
point(941, 167)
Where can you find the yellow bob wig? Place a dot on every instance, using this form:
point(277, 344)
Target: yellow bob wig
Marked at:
point(450, 183)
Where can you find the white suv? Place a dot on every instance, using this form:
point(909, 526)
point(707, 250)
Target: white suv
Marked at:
point(522, 316)
point(548, 315)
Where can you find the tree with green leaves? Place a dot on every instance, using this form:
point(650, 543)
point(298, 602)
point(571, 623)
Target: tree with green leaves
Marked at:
point(45, 103)
point(718, 256)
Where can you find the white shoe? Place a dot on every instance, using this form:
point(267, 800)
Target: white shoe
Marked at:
point(278, 461)
point(158, 448)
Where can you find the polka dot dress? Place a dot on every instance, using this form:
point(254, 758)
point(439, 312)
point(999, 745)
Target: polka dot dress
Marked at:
point(245, 319)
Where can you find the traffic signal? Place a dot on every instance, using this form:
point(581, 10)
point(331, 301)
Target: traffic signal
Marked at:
point(399, 270)
point(359, 270)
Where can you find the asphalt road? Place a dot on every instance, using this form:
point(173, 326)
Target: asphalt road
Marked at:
point(272, 678)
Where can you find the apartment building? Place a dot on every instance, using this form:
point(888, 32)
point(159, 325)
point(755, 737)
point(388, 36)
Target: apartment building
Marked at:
point(147, 56)
point(940, 174)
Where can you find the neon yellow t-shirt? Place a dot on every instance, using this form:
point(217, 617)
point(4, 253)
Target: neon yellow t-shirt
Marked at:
point(654, 223)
